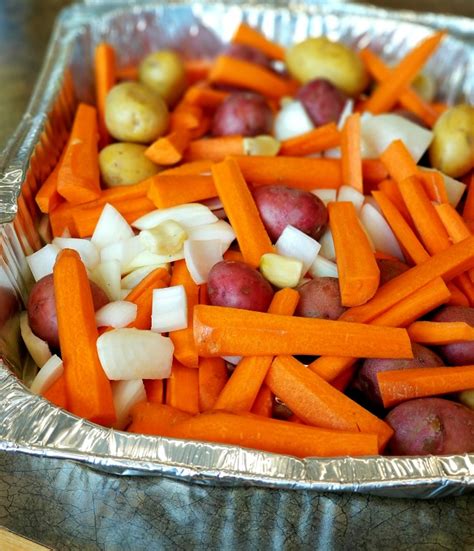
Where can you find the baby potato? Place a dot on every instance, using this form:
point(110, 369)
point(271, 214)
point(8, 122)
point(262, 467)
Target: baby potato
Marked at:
point(164, 73)
point(123, 164)
point(321, 58)
point(134, 113)
point(452, 148)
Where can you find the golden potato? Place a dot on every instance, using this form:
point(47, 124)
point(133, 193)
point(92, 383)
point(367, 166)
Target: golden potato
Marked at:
point(123, 164)
point(164, 73)
point(452, 148)
point(134, 113)
point(334, 61)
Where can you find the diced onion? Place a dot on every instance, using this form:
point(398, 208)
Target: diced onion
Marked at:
point(169, 309)
point(201, 256)
point(38, 348)
point(292, 120)
point(87, 250)
point(328, 250)
point(326, 195)
point(125, 395)
point(42, 262)
point(234, 360)
point(111, 227)
point(123, 251)
point(322, 267)
point(380, 232)
point(146, 258)
point(107, 276)
point(116, 314)
point(47, 375)
point(346, 112)
point(220, 230)
point(296, 244)
point(188, 215)
point(350, 194)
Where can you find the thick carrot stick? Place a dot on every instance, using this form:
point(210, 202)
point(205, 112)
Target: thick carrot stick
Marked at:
point(150, 282)
point(438, 333)
point(61, 220)
point(88, 390)
point(128, 72)
point(242, 388)
point(458, 298)
point(194, 168)
point(373, 172)
point(185, 116)
point(263, 404)
point(314, 141)
point(318, 403)
point(205, 97)
point(387, 94)
point(144, 302)
point(212, 379)
point(399, 162)
point(390, 188)
point(167, 191)
point(154, 390)
point(350, 153)
point(197, 69)
point(57, 393)
point(468, 210)
point(343, 380)
point(251, 37)
point(154, 418)
point(359, 274)
point(116, 195)
point(221, 331)
point(241, 211)
point(244, 74)
point(169, 149)
point(466, 285)
point(398, 386)
point(48, 197)
point(184, 348)
point(453, 222)
point(214, 149)
point(182, 388)
point(433, 182)
point(105, 77)
point(78, 177)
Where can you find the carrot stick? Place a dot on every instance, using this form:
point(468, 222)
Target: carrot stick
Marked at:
point(212, 379)
point(319, 139)
point(244, 74)
point(464, 282)
point(468, 211)
point(169, 149)
point(105, 77)
point(88, 389)
point(241, 211)
point(373, 172)
point(431, 332)
point(129, 72)
point(182, 388)
point(359, 274)
point(251, 37)
point(194, 168)
point(230, 254)
point(60, 219)
point(350, 153)
point(399, 162)
point(184, 348)
point(48, 197)
point(144, 302)
point(342, 381)
point(57, 393)
point(185, 116)
point(167, 191)
point(458, 298)
point(390, 188)
point(78, 177)
point(154, 278)
point(318, 403)
point(407, 384)
point(197, 69)
point(243, 386)
point(214, 149)
point(387, 94)
point(263, 404)
point(116, 195)
point(221, 331)
point(154, 418)
point(154, 390)
point(205, 97)
point(453, 222)
point(433, 182)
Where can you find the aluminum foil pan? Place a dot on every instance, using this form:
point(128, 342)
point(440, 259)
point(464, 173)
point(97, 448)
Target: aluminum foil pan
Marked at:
point(32, 425)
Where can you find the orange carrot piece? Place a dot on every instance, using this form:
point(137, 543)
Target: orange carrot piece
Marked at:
point(390, 188)
point(194, 168)
point(468, 211)
point(197, 69)
point(433, 182)
point(154, 278)
point(48, 197)
point(144, 302)
point(129, 72)
point(407, 384)
point(214, 149)
point(350, 153)
point(78, 177)
point(359, 274)
point(263, 404)
point(184, 348)
point(205, 97)
point(245, 74)
point(439, 107)
point(438, 333)
point(185, 117)
point(466, 285)
point(57, 393)
point(61, 220)
point(342, 381)
point(212, 375)
point(117, 194)
point(154, 418)
point(154, 390)
point(399, 162)
point(169, 149)
point(251, 37)
point(202, 129)
point(221, 331)
point(373, 172)
point(88, 390)
point(453, 222)
point(241, 211)
point(105, 77)
point(167, 191)
point(230, 254)
point(458, 298)
point(388, 93)
point(314, 141)
point(318, 403)
point(182, 388)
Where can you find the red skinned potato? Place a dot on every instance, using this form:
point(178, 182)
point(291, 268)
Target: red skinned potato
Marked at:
point(323, 102)
point(8, 305)
point(280, 206)
point(390, 268)
point(458, 353)
point(42, 309)
point(320, 298)
point(242, 113)
point(247, 53)
point(431, 426)
point(237, 285)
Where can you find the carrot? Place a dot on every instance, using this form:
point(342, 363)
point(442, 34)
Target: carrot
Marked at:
point(398, 386)
point(433, 182)
point(318, 403)
point(263, 404)
point(466, 285)
point(154, 278)
point(169, 149)
point(243, 386)
point(57, 393)
point(241, 211)
point(214, 149)
point(359, 275)
point(373, 172)
point(453, 222)
point(88, 390)
point(439, 107)
point(154, 390)
point(185, 117)
point(182, 388)
point(230, 254)
point(386, 95)
point(319, 139)
point(438, 333)
point(458, 298)
point(78, 177)
point(144, 302)
point(129, 72)
point(167, 191)
point(251, 37)
point(105, 77)
point(197, 69)
point(212, 379)
point(350, 153)
point(116, 195)
point(468, 210)
point(205, 97)
point(221, 331)
point(399, 162)
point(342, 381)
point(60, 219)
point(184, 348)
point(390, 188)
point(153, 418)
point(244, 74)
point(202, 129)
point(194, 168)
point(47, 197)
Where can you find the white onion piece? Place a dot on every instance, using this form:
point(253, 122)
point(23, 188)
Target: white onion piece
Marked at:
point(147, 258)
point(123, 294)
point(296, 244)
point(87, 250)
point(327, 245)
point(188, 215)
point(201, 256)
point(111, 227)
point(369, 200)
point(326, 195)
point(350, 194)
point(123, 251)
point(169, 309)
point(47, 375)
point(127, 354)
point(380, 232)
point(234, 360)
point(346, 112)
point(220, 230)
point(333, 153)
point(125, 395)
point(292, 120)
point(116, 314)
point(107, 276)
point(322, 267)
point(42, 262)
point(131, 280)
point(38, 348)
point(214, 203)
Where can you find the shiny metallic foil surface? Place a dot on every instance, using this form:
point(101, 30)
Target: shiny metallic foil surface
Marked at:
point(29, 423)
